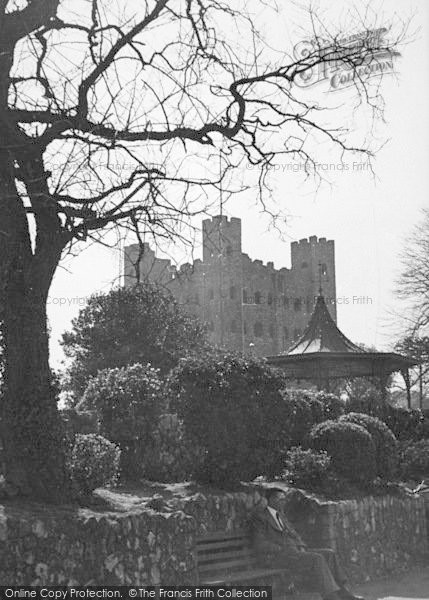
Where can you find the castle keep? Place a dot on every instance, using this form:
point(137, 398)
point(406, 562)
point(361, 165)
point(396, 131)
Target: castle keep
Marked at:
point(248, 306)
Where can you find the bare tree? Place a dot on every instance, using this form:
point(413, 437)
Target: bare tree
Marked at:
point(112, 114)
point(413, 284)
point(418, 348)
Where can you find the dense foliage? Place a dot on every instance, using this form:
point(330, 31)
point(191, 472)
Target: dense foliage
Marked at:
point(298, 418)
point(141, 324)
point(350, 447)
point(385, 443)
point(93, 463)
point(333, 406)
point(306, 468)
point(306, 408)
point(129, 402)
point(415, 460)
point(231, 408)
point(169, 457)
point(405, 423)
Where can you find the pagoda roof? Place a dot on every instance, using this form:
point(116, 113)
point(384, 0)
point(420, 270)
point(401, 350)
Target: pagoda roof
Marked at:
point(322, 334)
point(324, 352)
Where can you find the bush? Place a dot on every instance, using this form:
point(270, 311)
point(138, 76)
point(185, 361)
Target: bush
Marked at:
point(333, 407)
point(314, 403)
point(93, 463)
point(129, 402)
point(170, 458)
point(350, 447)
point(404, 423)
point(306, 468)
point(298, 418)
point(132, 324)
point(386, 445)
point(316, 407)
point(415, 460)
point(231, 407)
point(80, 421)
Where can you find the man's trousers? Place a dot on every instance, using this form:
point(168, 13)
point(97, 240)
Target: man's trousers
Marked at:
point(317, 568)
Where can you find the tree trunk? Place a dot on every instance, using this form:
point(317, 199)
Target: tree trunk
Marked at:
point(31, 427)
point(421, 386)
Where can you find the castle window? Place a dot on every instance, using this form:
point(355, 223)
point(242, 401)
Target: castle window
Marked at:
point(211, 294)
point(323, 269)
point(257, 297)
point(245, 297)
point(270, 299)
point(233, 292)
point(258, 329)
point(304, 264)
point(297, 304)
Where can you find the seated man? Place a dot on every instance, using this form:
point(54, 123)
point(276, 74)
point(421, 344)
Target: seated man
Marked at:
point(278, 544)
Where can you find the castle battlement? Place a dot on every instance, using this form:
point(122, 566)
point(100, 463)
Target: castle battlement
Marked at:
point(244, 302)
point(313, 239)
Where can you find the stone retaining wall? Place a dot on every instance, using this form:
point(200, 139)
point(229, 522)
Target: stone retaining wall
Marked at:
point(66, 546)
point(374, 536)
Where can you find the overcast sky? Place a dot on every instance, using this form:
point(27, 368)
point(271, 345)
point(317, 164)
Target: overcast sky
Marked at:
point(369, 217)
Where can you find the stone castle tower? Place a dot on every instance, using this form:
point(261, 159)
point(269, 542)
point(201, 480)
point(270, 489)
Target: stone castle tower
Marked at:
point(248, 306)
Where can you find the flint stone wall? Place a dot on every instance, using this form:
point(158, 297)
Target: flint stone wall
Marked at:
point(42, 545)
point(374, 536)
point(64, 546)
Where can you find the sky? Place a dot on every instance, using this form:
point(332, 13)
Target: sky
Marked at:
point(370, 215)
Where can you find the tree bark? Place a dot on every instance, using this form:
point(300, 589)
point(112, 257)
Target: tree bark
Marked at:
point(31, 426)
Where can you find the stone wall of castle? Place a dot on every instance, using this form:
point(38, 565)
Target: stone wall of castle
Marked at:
point(248, 306)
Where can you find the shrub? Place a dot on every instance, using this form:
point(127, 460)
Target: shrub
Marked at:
point(170, 458)
point(93, 462)
point(316, 407)
point(314, 403)
point(363, 404)
point(231, 407)
point(403, 422)
point(415, 460)
point(385, 443)
point(350, 447)
point(306, 468)
point(80, 421)
point(298, 418)
point(129, 402)
point(422, 429)
point(132, 324)
point(333, 407)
